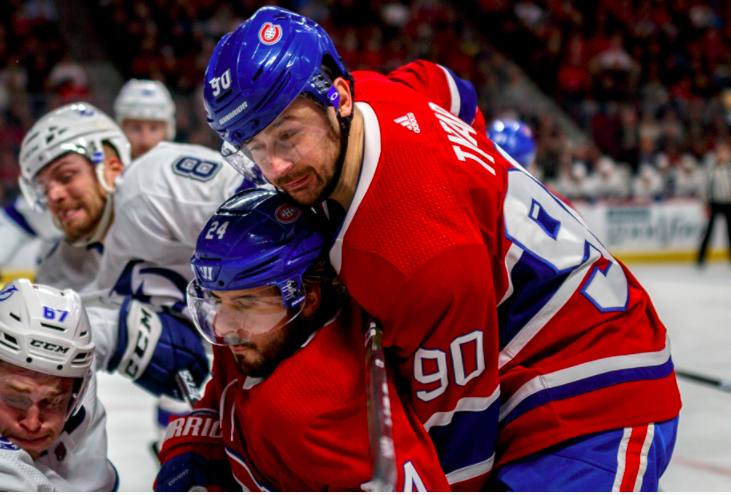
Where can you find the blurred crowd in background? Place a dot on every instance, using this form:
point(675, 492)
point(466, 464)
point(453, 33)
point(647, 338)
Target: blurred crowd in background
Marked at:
point(648, 81)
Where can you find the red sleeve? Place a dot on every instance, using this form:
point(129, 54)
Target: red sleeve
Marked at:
point(443, 87)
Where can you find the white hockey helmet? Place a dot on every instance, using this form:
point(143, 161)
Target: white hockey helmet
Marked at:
point(145, 99)
point(47, 330)
point(77, 127)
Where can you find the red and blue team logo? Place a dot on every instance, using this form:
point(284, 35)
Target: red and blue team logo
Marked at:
point(270, 33)
point(287, 214)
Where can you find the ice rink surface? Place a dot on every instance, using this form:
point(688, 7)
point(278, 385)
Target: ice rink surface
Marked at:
point(694, 304)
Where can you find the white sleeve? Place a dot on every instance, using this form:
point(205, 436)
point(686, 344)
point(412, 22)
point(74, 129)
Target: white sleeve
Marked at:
point(13, 238)
point(104, 320)
point(17, 471)
point(147, 254)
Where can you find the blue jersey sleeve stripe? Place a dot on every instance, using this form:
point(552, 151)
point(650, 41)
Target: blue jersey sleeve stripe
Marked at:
point(13, 214)
point(587, 385)
point(534, 285)
point(116, 477)
point(468, 439)
point(75, 421)
point(464, 102)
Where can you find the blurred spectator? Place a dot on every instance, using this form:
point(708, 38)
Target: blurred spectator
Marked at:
point(648, 185)
point(68, 81)
point(574, 183)
point(687, 178)
point(610, 182)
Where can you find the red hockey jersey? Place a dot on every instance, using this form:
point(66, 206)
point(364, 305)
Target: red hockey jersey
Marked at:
point(513, 325)
point(305, 427)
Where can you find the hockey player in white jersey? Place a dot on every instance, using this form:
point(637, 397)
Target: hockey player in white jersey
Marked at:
point(52, 426)
point(68, 161)
point(145, 111)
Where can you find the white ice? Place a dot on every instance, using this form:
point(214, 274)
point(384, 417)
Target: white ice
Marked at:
point(695, 305)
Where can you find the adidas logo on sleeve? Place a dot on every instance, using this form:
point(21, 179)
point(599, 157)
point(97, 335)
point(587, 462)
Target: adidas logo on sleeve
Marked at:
point(409, 121)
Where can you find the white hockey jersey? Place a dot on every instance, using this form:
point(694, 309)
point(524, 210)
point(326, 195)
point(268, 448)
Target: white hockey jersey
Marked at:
point(163, 200)
point(75, 462)
point(19, 224)
point(69, 267)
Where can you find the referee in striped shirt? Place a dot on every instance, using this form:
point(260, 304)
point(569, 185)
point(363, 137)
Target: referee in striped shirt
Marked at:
point(717, 192)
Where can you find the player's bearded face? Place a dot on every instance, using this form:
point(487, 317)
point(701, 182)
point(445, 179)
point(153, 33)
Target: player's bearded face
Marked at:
point(305, 173)
point(33, 407)
point(259, 357)
point(267, 334)
point(75, 197)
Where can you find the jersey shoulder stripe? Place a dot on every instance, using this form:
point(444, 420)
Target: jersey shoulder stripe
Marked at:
point(13, 214)
point(463, 95)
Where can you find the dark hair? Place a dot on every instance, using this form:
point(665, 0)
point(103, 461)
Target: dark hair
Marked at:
point(106, 142)
point(333, 295)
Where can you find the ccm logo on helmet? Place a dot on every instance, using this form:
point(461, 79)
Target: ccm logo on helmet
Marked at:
point(48, 346)
point(287, 214)
point(270, 33)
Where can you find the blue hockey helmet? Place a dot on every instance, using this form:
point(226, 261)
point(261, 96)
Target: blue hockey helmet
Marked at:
point(262, 245)
point(515, 138)
point(259, 69)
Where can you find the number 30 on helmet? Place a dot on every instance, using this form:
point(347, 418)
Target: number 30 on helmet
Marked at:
point(256, 71)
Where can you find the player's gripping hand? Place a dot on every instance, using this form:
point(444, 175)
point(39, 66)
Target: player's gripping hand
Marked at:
point(193, 456)
point(153, 347)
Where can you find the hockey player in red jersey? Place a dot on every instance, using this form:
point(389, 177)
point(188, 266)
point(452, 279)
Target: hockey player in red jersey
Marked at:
point(520, 337)
point(286, 408)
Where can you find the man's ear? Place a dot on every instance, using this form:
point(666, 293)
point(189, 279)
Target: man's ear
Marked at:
point(346, 100)
point(113, 166)
point(313, 295)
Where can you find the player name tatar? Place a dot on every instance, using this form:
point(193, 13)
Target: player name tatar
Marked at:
point(459, 133)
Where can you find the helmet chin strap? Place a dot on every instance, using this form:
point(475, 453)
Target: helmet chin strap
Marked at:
point(107, 213)
point(344, 123)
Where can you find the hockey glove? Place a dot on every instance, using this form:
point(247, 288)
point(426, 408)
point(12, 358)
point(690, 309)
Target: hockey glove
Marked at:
point(153, 347)
point(194, 456)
